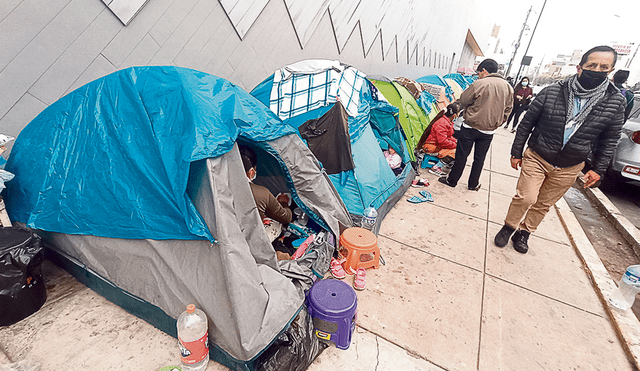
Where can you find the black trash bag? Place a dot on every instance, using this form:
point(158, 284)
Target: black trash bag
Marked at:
point(293, 350)
point(22, 289)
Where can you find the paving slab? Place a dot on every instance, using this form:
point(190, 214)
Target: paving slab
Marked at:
point(504, 184)
point(370, 352)
point(435, 229)
point(524, 331)
point(564, 280)
point(427, 305)
point(459, 199)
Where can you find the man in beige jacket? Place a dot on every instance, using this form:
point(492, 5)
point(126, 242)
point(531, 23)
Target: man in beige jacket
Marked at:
point(487, 104)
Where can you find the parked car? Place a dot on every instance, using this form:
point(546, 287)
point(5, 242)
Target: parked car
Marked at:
point(625, 164)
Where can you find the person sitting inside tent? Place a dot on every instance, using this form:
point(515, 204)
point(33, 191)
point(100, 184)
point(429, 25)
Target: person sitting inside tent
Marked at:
point(439, 139)
point(394, 160)
point(268, 205)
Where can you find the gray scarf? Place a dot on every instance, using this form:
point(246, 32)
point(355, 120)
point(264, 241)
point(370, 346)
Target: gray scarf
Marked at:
point(593, 96)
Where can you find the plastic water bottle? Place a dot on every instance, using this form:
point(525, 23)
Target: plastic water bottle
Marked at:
point(193, 339)
point(629, 286)
point(369, 218)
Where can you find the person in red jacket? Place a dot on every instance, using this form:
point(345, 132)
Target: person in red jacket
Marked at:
point(440, 139)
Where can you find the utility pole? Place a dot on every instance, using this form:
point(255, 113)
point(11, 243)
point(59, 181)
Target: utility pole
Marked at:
point(515, 51)
point(532, 33)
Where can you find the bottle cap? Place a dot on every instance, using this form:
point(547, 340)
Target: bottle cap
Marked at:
point(191, 308)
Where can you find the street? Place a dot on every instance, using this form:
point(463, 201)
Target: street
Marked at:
point(627, 200)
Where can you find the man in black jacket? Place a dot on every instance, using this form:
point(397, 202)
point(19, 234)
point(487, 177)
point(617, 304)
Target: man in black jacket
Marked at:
point(566, 121)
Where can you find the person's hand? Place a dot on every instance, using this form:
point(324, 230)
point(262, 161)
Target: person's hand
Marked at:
point(590, 178)
point(2, 149)
point(283, 199)
point(519, 97)
point(516, 162)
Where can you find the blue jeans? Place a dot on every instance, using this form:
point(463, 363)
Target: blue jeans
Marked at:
point(466, 140)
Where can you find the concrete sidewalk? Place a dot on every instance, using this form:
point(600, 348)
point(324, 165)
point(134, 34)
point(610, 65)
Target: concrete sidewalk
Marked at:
point(447, 299)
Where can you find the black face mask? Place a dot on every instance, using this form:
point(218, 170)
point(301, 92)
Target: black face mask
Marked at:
point(590, 79)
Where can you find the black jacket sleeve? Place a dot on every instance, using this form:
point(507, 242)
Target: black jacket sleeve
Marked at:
point(608, 141)
point(528, 124)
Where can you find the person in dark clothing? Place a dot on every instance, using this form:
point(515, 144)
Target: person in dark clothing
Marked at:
point(487, 104)
point(521, 98)
point(619, 78)
point(268, 206)
point(566, 121)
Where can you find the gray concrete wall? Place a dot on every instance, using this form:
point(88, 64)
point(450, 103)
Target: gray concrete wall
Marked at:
point(49, 48)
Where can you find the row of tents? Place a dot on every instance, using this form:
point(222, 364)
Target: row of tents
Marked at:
point(135, 181)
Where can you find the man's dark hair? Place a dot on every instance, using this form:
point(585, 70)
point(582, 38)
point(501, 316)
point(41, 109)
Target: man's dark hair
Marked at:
point(249, 157)
point(488, 64)
point(601, 48)
point(620, 77)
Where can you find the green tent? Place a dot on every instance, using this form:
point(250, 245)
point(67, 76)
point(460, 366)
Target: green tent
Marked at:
point(412, 118)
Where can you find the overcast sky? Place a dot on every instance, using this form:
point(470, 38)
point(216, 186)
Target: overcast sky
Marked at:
point(567, 25)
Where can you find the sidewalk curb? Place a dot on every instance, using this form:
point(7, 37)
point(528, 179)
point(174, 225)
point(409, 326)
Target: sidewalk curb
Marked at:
point(625, 323)
point(622, 224)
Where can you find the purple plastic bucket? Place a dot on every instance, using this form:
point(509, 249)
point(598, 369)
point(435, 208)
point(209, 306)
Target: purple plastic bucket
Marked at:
point(333, 306)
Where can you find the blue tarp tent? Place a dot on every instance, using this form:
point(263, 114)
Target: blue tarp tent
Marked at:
point(437, 80)
point(464, 84)
point(372, 182)
point(135, 180)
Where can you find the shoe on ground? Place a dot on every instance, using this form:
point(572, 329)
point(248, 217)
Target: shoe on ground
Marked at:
point(513, 130)
point(502, 237)
point(417, 183)
point(437, 171)
point(359, 281)
point(336, 269)
point(444, 180)
point(476, 188)
point(520, 241)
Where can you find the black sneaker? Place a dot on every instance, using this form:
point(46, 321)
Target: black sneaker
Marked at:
point(476, 188)
point(502, 237)
point(520, 239)
point(444, 180)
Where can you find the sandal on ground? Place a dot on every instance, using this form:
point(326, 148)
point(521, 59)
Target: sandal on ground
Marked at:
point(427, 196)
point(359, 280)
point(417, 199)
point(336, 269)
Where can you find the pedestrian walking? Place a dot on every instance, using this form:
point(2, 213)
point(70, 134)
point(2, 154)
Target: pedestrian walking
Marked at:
point(486, 104)
point(521, 99)
point(565, 122)
point(619, 78)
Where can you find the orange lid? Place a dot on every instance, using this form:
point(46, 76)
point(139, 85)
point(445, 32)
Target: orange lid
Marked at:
point(357, 237)
point(191, 308)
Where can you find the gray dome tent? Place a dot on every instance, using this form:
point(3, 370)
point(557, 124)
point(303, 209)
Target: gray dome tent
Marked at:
point(136, 181)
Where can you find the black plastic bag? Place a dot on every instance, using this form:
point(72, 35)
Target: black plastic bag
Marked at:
point(294, 349)
point(22, 289)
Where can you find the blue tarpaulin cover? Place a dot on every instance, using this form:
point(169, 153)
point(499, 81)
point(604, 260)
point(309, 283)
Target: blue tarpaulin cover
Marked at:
point(112, 158)
point(437, 80)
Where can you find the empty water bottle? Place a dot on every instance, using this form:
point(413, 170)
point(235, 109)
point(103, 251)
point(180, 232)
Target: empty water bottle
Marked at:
point(369, 218)
point(629, 286)
point(193, 339)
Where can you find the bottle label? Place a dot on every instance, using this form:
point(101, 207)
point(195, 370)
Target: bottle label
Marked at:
point(631, 278)
point(194, 351)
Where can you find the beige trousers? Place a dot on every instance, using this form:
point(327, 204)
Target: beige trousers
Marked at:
point(539, 187)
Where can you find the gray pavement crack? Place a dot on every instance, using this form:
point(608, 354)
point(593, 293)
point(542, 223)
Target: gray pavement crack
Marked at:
point(377, 354)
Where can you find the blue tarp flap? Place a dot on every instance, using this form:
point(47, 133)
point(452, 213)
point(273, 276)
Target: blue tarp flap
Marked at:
point(437, 80)
point(112, 158)
point(426, 102)
point(459, 79)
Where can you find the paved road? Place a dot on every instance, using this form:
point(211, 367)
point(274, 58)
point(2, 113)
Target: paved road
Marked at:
point(626, 197)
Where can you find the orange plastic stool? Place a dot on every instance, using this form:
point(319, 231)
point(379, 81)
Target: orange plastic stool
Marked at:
point(359, 249)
